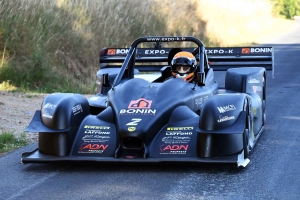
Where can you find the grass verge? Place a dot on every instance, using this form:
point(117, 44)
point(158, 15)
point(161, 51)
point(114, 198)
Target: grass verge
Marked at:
point(9, 142)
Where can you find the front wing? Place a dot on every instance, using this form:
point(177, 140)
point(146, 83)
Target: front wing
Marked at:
point(37, 157)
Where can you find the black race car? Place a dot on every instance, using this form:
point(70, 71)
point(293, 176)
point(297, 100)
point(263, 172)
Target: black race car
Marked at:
point(131, 119)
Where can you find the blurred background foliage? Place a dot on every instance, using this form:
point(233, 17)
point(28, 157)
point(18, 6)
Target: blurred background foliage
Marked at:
point(286, 8)
point(53, 45)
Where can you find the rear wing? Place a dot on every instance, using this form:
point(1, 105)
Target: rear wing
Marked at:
point(220, 59)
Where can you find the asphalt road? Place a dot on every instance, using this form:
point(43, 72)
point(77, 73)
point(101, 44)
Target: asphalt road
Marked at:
point(273, 173)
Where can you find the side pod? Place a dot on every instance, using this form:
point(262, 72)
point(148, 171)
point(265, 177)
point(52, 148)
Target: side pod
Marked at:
point(58, 121)
point(224, 142)
point(221, 126)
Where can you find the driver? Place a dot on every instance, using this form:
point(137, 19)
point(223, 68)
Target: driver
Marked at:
point(184, 66)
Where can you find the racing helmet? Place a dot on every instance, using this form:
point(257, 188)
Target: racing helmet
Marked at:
point(184, 65)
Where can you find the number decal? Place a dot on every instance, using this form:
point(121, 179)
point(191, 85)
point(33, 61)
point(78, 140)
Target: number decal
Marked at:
point(134, 122)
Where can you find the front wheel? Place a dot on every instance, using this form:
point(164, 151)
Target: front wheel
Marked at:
point(247, 137)
point(246, 142)
point(264, 118)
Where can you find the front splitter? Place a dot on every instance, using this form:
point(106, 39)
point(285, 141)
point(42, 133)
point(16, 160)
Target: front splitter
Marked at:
point(37, 157)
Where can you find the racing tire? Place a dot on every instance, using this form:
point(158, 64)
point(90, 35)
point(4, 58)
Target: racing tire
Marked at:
point(264, 117)
point(247, 140)
point(246, 143)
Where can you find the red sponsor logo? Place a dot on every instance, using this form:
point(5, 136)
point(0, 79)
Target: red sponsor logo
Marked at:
point(140, 103)
point(111, 51)
point(245, 50)
point(174, 147)
point(86, 147)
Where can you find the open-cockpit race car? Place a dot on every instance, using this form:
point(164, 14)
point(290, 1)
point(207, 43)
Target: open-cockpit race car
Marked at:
point(131, 119)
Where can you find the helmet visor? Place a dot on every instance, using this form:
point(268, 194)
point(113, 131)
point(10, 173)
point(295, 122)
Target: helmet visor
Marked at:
point(182, 61)
point(182, 69)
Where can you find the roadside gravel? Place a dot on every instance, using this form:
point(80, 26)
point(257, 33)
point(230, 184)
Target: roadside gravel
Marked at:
point(17, 110)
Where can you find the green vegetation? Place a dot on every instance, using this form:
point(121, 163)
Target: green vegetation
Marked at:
point(286, 8)
point(9, 141)
point(40, 52)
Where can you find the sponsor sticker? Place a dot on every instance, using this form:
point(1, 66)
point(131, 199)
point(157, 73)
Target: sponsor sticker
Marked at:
point(140, 103)
point(141, 106)
point(167, 39)
point(254, 111)
point(219, 51)
point(77, 109)
point(256, 89)
point(50, 106)
point(96, 127)
point(256, 50)
point(111, 51)
point(153, 52)
point(92, 148)
point(122, 51)
point(95, 138)
point(178, 133)
point(223, 109)
point(198, 101)
point(173, 149)
point(131, 129)
point(180, 128)
point(176, 139)
point(137, 112)
point(253, 80)
point(91, 131)
point(261, 50)
point(225, 118)
point(245, 50)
